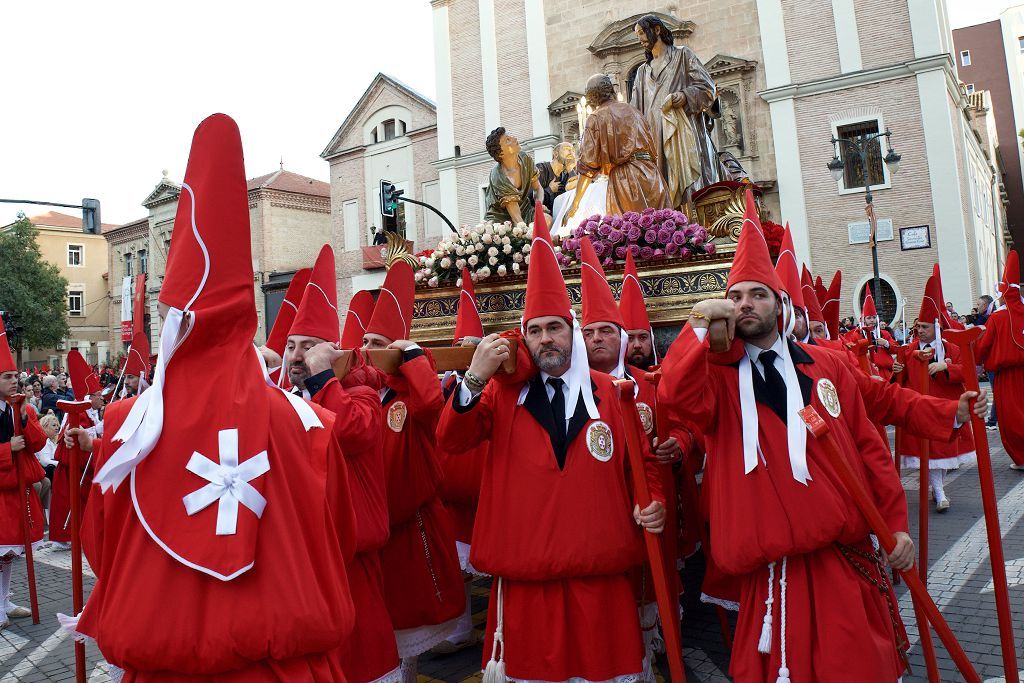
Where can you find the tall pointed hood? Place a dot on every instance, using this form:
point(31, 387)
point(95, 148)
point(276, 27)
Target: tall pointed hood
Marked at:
point(828, 299)
point(1011, 275)
point(277, 340)
point(84, 381)
point(948, 321)
point(752, 262)
point(868, 309)
point(632, 305)
point(468, 323)
point(598, 300)
point(787, 269)
point(360, 310)
point(174, 444)
point(1010, 289)
point(6, 357)
point(932, 308)
point(545, 289)
point(137, 362)
point(318, 312)
point(392, 316)
point(811, 304)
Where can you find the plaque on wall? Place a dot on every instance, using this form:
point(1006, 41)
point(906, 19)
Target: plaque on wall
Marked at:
point(915, 237)
point(860, 233)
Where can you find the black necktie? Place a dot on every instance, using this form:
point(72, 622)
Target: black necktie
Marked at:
point(558, 412)
point(774, 383)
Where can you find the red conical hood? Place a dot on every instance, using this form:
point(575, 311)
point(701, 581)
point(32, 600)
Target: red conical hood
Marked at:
point(1011, 274)
point(360, 310)
point(545, 289)
point(392, 316)
point(814, 313)
point(631, 301)
point(948, 322)
point(6, 358)
point(788, 270)
point(137, 362)
point(828, 299)
point(468, 323)
point(318, 313)
point(868, 307)
point(598, 302)
point(278, 337)
point(752, 263)
point(83, 381)
point(931, 303)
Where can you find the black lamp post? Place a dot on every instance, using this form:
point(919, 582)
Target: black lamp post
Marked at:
point(861, 146)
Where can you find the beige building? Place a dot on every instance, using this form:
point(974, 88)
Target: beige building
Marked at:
point(82, 260)
point(289, 215)
point(791, 75)
point(391, 134)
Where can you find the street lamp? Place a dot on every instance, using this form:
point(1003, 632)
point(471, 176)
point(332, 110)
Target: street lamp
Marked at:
point(861, 146)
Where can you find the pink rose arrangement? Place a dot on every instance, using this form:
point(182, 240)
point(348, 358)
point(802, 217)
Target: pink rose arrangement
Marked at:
point(649, 235)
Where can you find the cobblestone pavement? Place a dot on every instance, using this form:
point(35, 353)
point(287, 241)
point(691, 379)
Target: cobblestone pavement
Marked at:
point(959, 580)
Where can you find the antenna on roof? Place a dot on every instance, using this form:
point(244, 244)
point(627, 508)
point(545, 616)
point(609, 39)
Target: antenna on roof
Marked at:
point(282, 163)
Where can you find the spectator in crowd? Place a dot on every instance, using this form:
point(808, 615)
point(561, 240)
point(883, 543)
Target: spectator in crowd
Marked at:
point(952, 311)
point(51, 395)
point(379, 237)
point(984, 309)
point(35, 397)
point(50, 425)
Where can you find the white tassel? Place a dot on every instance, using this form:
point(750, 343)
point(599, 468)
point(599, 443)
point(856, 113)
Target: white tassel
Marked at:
point(764, 644)
point(69, 625)
point(494, 672)
point(783, 675)
point(784, 668)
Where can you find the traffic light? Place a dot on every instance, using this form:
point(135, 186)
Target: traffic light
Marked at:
point(389, 195)
point(91, 216)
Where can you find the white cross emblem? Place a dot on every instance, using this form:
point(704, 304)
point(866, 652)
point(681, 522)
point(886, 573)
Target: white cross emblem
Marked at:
point(229, 483)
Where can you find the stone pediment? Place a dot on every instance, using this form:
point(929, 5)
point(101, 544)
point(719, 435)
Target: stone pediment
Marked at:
point(619, 37)
point(720, 64)
point(567, 102)
point(166, 190)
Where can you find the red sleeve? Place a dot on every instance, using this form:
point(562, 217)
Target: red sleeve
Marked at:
point(424, 396)
point(954, 366)
point(892, 404)
point(338, 495)
point(987, 340)
point(31, 470)
point(464, 428)
point(685, 388)
point(92, 518)
point(882, 480)
point(358, 416)
point(35, 437)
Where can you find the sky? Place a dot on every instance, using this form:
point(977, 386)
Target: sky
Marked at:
point(98, 98)
point(970, 12)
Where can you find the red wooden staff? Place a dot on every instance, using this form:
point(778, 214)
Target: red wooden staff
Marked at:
point(26, 524)
point(925, 448)
point(74, 410)
point(668, 603)
point(691, 504)
point(923, 603)
point(966, 339)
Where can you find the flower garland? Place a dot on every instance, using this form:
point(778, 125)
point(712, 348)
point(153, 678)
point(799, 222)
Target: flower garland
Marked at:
point(487, 249)
point(651, 234)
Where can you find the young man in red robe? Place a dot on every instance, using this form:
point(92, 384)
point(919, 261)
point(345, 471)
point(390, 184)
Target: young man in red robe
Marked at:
point(86, 387)
point(941, 363)
point(16, 451)
point(462, 474)
point(313, 345)
point(553, 524)
point(1001, 351)
point(136, 367)
point(423, 584)
point(277, 339)
point(810, 605)
point(218, 552)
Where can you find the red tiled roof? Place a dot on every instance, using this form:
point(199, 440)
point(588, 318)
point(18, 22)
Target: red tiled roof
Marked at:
point(286, 181)
point(54, 219)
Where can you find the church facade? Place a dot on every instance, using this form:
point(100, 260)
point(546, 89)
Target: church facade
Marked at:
point(790, 76)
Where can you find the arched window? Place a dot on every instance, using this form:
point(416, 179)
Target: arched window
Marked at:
point(886, 304)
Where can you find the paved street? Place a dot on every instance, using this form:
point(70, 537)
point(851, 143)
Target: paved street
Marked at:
point(959, 580)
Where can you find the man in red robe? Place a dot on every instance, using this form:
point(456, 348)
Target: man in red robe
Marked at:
point(313, 345)
point(553, 524)
point(16, 451)
point(85, 385)
point(223, 558)
point(780, 517)
point(136, 367)
point(423, 584)
point(1001, 351)
point(883, 345)
point(941, 363)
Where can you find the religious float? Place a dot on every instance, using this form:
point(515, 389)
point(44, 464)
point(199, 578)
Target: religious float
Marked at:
point(672, 280)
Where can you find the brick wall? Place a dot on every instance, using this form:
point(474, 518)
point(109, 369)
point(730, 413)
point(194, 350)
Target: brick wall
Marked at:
point(811, 40)
point(885, 33)
point(467, 75)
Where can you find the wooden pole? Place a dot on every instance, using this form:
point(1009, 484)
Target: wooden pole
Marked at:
point(74, 410)
point(966, 339)
point(667, 603)
point(26, 523)
point(820, 429)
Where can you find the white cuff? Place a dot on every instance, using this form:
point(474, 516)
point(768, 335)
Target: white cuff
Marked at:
point(701, 333)
point(464, 396)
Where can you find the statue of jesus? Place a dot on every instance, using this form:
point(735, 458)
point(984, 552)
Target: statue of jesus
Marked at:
point(673, 90)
